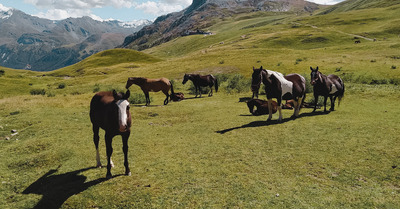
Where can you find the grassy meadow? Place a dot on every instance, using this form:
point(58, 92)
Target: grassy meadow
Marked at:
point(211, 152)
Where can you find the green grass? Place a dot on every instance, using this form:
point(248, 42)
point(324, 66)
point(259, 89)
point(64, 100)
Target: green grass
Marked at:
point(210, 152)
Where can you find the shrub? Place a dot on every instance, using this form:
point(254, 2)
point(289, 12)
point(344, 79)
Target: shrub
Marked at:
point(394, 67)
point(96, 88)
point(309, 87)
point(38, 92)
point(138, 98)
point(2, 72)
point(61, 86)
point(238, 83)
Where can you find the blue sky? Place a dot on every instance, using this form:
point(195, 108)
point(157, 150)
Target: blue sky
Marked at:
point(124, 10)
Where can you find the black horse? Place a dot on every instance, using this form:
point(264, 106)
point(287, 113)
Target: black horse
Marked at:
point(292, 86)
point(330, 86)
point(201, 81)
point(110, 111)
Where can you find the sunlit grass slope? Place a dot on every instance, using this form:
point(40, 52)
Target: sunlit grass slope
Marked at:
point(210, 152)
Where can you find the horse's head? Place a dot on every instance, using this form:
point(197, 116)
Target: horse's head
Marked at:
point(124, 116)
point(315, 76)
point(185, 78)
point(256, 77)
point(250, 105)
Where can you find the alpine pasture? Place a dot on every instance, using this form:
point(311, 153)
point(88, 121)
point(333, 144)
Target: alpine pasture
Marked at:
point(210, 152)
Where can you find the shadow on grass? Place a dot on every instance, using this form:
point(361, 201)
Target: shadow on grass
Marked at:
point(56, 189)
point(269, 123)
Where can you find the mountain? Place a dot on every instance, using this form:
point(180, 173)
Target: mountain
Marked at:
point(42, 45)
point(200, 14)
point(349, 5)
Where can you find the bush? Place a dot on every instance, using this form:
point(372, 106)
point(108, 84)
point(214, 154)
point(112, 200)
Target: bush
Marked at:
point(2, 72)
point(38, 92)
point(138, 98)
point(309, 87)
point(96, 88)
point(238, 83)
point(61, 86)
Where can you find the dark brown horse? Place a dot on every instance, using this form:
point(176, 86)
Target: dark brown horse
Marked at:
point(201, 81)
point(255, 88)
point(152, 85)
point(327, 86)
point(110, 111)
point(292, 86)
point(262, 107)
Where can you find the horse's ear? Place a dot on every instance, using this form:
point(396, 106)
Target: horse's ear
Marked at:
point(316, 68)
point(311, 69)
point(261, 68)
point(127, 94)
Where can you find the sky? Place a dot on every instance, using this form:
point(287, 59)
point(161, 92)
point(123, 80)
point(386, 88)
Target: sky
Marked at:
point(123, 10)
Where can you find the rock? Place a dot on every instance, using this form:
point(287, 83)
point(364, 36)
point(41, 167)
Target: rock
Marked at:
point(7, 138)
point(13, 131)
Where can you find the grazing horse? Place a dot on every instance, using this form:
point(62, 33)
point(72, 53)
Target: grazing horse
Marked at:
point(154, 85)
point(327, 86)
point(262, 106)
point(201, 80)
point(292, 86)
point(110, 111)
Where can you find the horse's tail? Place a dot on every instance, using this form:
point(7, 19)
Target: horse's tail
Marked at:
point(172, 88)
point(341, 93)
point(216, 85)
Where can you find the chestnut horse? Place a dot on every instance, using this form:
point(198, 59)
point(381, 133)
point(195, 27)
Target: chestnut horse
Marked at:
point(202, 80)
point(327, 86)
point(151, 85)
point(110, 111)
point(292, 86)
point(262, 107)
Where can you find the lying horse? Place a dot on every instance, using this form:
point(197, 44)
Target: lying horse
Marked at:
point(199, 81)
point(327, 86)
point(292, 86)
point(262, 107)
point(110, 111)
point(154, 85)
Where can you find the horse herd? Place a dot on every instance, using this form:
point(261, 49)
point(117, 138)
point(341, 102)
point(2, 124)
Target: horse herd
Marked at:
point(110, 110)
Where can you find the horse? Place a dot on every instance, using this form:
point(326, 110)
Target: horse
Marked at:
point(330, 86)
point(151, 85)
point(202, 81)
point(292, 86)
point(110, 111)
point(262, 106)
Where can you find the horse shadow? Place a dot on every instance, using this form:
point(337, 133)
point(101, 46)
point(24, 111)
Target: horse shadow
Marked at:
point(271, 122)
point(56, 189)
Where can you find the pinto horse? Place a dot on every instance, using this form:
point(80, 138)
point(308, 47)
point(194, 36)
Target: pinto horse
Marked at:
point(292, 86)
point(155, 85)
point(110, 111)
point(330, 86)
point(202, 80)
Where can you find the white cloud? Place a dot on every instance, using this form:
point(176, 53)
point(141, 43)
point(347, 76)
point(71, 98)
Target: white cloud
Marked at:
point(4, 8)
point(159, 8)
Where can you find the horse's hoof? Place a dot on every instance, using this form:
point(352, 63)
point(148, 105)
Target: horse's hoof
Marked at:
point(108, 176)
point(128, 174)
point(98, 166)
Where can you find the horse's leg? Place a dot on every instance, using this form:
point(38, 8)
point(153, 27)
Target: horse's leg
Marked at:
point(279, 109)
point(109, 151)
point(125, 138)
point(199, 91)
point(333, 98)
point(147, 98)
point(96, 138)
point(295, 103)
point(211, 91)
point(166, 99)
point(299, 102)
point(196, 90)
point(269, 109)
point(325, 98)
point(315, 102)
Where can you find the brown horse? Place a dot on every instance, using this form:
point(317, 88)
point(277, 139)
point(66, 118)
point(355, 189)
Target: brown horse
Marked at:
point(327, 86)
point(151, 85)
point(201, 80)
point(292, 86)
point(110, 111)
point(262, 107)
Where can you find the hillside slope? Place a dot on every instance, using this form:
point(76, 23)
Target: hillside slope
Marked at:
point(202, 14)
point(350, 5)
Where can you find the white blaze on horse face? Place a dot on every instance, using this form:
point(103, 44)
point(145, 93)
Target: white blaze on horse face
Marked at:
point(287, 86)
point(122, 114)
